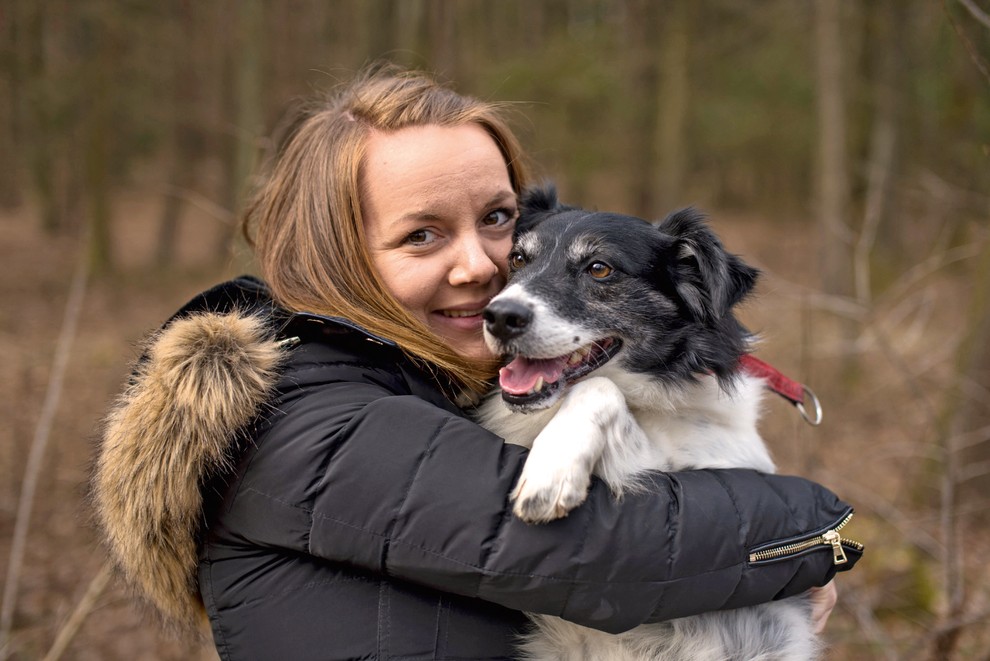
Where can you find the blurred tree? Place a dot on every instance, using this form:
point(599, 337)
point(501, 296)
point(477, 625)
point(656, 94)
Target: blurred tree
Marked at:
point(100, 47)
point(441, 38)
point(184, 140)
point(833, 170)
point(243, 107)
point(963, 408)
point(963, 424)
point(751, 127)
point(11, 85)
point(674, 93)
point(380, 22)
point(887, 21)
point(644, 24)
point(41, 112)
point(409, 19)
point(579, 95)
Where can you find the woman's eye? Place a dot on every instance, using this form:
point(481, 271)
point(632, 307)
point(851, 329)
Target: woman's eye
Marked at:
point(599, 270)
point(516, 261)
point(498, 217)
point(420, 237)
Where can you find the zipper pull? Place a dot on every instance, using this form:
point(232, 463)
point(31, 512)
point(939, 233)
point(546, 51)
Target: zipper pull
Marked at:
point(838, 554)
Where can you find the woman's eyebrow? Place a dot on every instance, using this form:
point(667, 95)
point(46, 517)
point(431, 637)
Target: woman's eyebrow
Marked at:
point(501, 197)
point(418, 216)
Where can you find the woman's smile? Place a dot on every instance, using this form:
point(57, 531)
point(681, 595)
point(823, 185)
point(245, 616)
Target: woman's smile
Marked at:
point(465, 318)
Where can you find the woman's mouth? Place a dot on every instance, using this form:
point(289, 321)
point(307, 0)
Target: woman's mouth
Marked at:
point(466, 319)
point(460, 314)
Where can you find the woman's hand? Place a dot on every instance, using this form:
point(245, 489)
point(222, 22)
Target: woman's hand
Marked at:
point(822, 602)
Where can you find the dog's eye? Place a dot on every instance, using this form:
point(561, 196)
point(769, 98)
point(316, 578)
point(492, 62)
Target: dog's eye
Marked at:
point(516, 261)
point(599, 270)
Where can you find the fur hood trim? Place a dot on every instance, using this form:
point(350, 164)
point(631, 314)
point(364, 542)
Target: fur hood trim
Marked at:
point(201, 379)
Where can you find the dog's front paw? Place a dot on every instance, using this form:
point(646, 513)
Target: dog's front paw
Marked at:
point(544, 498)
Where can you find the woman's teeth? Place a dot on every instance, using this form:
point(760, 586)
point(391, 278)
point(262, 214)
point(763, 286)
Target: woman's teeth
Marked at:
point(461, 313)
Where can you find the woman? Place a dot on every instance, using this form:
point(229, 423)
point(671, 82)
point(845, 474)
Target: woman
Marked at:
point(289, 455)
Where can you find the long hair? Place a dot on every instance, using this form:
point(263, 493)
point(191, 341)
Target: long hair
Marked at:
point(308, 229)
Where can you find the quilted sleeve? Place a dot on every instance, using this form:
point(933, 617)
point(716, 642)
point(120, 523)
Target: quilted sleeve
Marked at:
point(395, 485)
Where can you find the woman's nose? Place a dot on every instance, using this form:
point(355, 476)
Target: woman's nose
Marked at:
point(472, 263)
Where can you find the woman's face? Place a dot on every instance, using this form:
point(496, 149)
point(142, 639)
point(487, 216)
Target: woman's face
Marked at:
point(439, 211)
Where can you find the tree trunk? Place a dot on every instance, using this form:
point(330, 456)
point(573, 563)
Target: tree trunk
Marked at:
point(644, 25)
point(889, 21)
point(672, 126)
point(441, 39)
point(184, 133)
point(10, 100)
point(100, 46)
point(245, 109)
point(833, 177)
point(378, 19)
point(39, 112)
point(959, 417)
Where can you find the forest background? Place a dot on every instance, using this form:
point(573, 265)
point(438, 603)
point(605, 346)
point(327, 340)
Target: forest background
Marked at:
point(841, 146)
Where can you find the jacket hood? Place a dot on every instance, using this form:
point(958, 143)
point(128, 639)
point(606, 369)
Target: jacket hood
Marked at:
point(201, 378)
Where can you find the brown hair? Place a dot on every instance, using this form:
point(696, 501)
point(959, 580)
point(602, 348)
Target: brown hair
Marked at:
point(309, 237)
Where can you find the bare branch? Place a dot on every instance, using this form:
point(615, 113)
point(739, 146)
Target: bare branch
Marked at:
point(79, 614)
point(977, 13)
point(967, 44)
point(862, 609)
point(70, 321)
point(928, 267)
point(203, 203)
point(909, 529)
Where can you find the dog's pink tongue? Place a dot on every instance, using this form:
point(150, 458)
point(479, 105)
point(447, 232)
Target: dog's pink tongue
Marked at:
point(519, 377)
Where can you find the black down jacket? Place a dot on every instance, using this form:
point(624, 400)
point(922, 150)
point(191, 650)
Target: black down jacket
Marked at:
point(358, 514)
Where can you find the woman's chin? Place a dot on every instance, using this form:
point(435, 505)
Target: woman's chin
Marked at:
point(472, 348)
point(464, 336)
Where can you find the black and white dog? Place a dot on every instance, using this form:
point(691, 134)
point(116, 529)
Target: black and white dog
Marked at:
point(624, 357)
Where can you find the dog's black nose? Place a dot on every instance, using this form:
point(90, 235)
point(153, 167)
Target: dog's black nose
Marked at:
point(507, 319)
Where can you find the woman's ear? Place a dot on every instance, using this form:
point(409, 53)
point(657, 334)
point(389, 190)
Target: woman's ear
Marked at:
point(708, 279)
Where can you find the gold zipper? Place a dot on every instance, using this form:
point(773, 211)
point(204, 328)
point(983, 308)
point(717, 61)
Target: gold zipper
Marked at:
point(828, 538)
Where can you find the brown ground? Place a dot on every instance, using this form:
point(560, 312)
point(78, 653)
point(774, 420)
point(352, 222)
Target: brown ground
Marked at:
point(876, 426)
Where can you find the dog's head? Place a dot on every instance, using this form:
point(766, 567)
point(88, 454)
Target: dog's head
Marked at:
point(589, 289)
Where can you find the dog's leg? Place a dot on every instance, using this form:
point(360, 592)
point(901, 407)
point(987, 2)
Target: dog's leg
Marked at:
point(555, 479)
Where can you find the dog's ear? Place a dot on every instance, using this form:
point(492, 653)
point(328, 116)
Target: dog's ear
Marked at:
point(708, 279)
point(542, 198)
point(536, 204)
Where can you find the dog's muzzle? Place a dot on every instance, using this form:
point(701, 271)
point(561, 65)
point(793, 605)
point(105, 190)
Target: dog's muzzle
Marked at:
point(507, 319)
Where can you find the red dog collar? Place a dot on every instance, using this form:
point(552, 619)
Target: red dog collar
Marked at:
point(797, 393)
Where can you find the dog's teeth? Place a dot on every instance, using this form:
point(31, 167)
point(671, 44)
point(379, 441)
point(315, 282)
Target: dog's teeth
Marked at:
point(578, 356)
point(539, 384)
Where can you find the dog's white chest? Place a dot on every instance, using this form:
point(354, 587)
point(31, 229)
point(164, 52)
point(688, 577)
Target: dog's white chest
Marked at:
point(707, 428)
point(697, 427)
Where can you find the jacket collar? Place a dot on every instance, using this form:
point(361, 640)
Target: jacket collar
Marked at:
point(303, 325)
point(423, 381)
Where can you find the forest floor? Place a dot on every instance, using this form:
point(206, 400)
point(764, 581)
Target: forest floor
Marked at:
point(859, 451)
